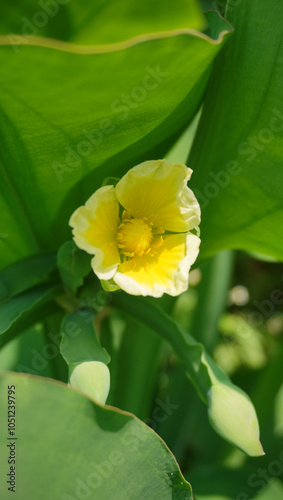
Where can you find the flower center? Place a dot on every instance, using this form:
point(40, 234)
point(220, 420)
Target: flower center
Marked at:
point(134, 237)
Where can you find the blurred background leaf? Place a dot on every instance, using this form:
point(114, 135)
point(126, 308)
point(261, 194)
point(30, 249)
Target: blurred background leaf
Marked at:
point(48, 99)
point(27, 308)
point(95, 443)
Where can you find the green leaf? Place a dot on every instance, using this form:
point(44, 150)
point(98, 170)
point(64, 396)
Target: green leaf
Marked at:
point(102, 21)
point(230, 410)
point(244, 346)
point(215, 482)
point(237, 154)
point(107, 453)
point(79, 339)
point(93, 129)
point(73, 264)
point(18, 313)
point(25, 273)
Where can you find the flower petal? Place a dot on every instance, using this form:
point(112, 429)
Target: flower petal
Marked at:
point(166, 272)
point(158, 190)
point(95, 230)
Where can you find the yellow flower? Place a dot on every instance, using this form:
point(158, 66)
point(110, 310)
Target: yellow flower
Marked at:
point(140, 230)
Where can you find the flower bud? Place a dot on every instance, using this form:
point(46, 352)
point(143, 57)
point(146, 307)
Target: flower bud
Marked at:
point(232, 415)
point(92, 378)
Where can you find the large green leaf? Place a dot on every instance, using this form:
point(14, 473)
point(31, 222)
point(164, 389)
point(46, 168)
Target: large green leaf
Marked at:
point(66, 124)
point(25, 273)
point(237, 154)
point(19, 312)
point(69, 447)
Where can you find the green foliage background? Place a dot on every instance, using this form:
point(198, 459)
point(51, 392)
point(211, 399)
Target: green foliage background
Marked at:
point(111, 84)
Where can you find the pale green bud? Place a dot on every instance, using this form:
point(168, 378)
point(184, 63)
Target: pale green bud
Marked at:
point(92, 378)
point(232, 415)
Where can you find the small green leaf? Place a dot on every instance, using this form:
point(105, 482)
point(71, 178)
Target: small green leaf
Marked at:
point(79, 340)
point(109, 285)
point(232, 415)
point(108, 454)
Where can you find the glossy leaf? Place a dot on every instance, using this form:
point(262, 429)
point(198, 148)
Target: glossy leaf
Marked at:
point(71, 127)
point(237, 154)
point(107, 453)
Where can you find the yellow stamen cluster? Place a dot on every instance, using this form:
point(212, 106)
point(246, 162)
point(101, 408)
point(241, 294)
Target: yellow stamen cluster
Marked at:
point(137, 236)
